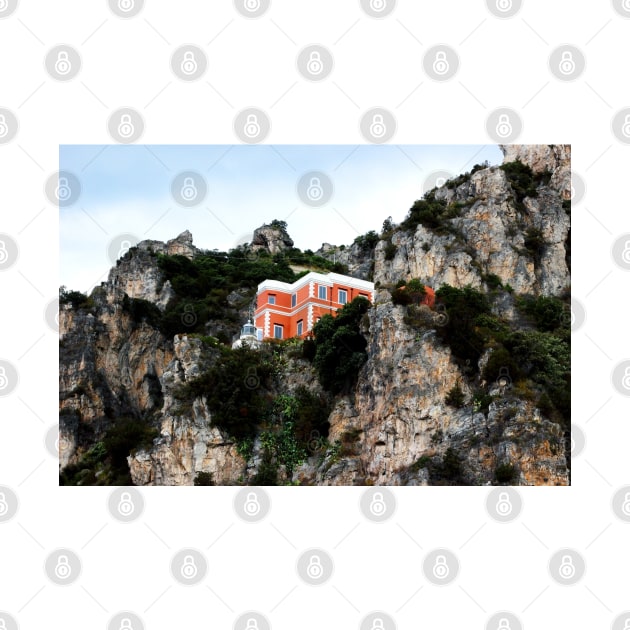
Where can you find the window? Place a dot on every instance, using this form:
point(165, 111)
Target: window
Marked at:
point(300, 327)
point(294, 299)
point(323, 293)
point(342, 296)
point(272, 299)
point(277, 331)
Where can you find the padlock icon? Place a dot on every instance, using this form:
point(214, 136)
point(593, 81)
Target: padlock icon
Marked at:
point(125, 505)
point(567, 63)
point(567, 568)
point(625, 254)
point(378, 5)
point(315, 65)
point(504, 380)
point(252, 5)
point(4, 381)
point(63, 65)
point(63, 190)
point(189, 190)
point(625, 506)
point(315, 191)
point(189, 568)
point(252, 127)
point(378, 506)
point(315, 569)
point(378, 624)
point(4, 506)
point(440, 181)
point(125, 624)
point(504, 624)
point(4, 128)
point(440, 63)
point(625, 129)
point(126, 5)
point(125, 246)
point(440, 568)
point(504, 126)
point(252, 505)
point(252, 624)
point(63, 570)
point(504, 505)
point(378, 128)
point(189, 64)
point(125, 127)
point(504, 5)
point(625, 381)
point(4, 254)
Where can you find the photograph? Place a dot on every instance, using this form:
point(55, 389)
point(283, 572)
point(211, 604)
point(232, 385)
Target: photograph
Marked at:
point(313, 315)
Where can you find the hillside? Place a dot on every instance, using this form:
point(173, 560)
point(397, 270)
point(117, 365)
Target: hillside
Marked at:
point(475, 390)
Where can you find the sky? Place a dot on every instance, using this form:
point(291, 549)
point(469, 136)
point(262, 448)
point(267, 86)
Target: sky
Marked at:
point(126, 189)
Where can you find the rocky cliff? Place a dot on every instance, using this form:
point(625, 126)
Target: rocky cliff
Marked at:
point(501, 232)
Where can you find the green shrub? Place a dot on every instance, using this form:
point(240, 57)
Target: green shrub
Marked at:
point(108, 457)
point(142, 311)
point(428, 212)
point(203, 479)
point(76, 298)
point(455, 397)
point(340, 347)
point(390, 250)
point(234, 388)
point(367, 241)
point(462, 306)
point(492, 281)
point(547, 313)
point(408, 293)
point(423, 461)
point(267, 474)
point(505, 473)
point(521, 178)
point(501, 363)
point(535, 243)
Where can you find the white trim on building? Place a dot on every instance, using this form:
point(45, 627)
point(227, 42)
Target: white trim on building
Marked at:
point(313, 277)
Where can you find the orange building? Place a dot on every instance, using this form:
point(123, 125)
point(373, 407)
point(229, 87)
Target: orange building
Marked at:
point(286, 310)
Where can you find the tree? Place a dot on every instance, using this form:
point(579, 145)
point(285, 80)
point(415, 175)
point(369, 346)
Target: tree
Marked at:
point(339, 346)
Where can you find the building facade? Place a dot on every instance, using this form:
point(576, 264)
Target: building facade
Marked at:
point(286, 310)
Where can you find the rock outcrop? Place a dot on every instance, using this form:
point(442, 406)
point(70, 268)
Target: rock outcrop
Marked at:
point(490, 232)
point(270, 238)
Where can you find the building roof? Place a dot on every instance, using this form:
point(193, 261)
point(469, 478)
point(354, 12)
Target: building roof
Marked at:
point(327, 279)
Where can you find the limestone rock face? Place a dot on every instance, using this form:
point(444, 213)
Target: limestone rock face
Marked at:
point(137, 273)
point(489, 234)
point(109, 366)
point(555, 158)
point(359, 261)
point(398, 415)
point(188, 442)
point(270, 239)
